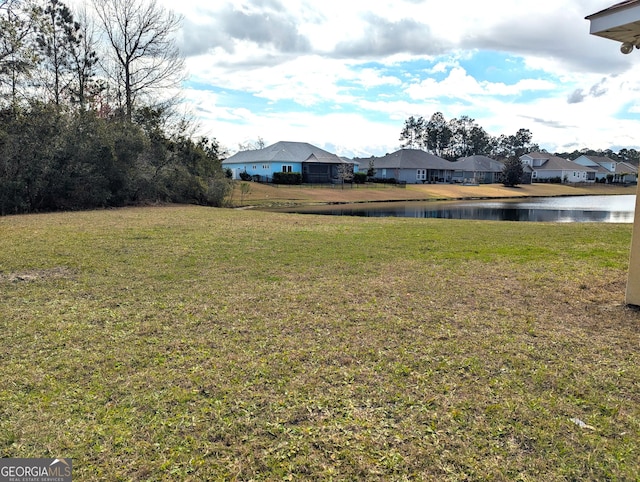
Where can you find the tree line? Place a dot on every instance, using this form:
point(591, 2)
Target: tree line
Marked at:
point(463, 137)
point(88, 114)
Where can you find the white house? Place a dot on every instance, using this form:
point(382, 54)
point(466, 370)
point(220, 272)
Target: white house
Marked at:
point(609, 169)
point(545, 166)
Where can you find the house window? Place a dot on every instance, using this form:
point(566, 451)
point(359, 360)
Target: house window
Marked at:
point(534, 174)
point(421, 175)
point(287, 168)
point(265, 166)
point(254, 167)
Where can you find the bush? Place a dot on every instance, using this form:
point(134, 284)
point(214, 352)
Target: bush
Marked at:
point(245, 176)
point(218, 189)
point(287, 178)
point(549, 180)
point(359, 177)
point(380, 180)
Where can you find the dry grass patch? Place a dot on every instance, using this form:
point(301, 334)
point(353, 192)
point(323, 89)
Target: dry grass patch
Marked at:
point(272, 195)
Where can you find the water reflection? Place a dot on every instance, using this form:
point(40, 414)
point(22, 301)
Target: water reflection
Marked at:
point(600, 209)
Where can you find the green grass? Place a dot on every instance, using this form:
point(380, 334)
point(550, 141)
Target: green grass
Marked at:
point(186, 343)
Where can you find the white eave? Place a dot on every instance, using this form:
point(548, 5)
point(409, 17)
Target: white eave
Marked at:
point(620, 22)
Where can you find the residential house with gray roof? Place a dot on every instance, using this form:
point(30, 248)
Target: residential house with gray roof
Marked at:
point(545, 166)
point(410, 166)
point(477, 169)
point(609, 169)
point(316, 165)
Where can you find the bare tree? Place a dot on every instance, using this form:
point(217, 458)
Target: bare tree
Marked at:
point(143, 50)
point(345, 173)
point(251, 146)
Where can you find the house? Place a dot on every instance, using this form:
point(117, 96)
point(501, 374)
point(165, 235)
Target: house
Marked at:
point(410, 166)
point(314, 164)
point(609, 169)
point(625, 172)
point(477, 169)
point(547, 167)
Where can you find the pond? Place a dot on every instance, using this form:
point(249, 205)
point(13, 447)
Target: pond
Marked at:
point(571, 209)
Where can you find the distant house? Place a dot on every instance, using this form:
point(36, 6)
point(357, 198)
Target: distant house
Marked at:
point(477, 169)
point(314, 164)
point(609, 169)
point(545, 166)
point(410, 166)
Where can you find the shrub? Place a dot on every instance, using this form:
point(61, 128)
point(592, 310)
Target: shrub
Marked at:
point(549, 180)
point(245, 176)
point(380, 180)
point(287, 178)
point(218, 189)
point(359, 177)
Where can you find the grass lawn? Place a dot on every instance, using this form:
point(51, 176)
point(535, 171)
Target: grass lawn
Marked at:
point(188, 343)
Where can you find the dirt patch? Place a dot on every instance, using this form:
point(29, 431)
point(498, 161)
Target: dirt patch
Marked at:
point(59, 272)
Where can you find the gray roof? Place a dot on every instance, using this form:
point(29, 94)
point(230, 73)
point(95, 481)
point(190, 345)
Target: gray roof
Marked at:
point(561, 164)
point(409, 159)
point(478, 164)
point(626, 168)
point(285, 152)
point(537, 155)
point(555, 163)
point(620, 167)
point(598, 159)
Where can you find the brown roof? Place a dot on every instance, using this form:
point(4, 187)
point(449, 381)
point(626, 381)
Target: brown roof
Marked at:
point(626, 168)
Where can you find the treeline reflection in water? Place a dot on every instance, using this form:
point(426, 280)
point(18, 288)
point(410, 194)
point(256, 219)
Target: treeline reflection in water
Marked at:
point(601, 209)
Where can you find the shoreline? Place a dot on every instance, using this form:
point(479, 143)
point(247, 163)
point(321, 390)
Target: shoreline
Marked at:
point(270, 196)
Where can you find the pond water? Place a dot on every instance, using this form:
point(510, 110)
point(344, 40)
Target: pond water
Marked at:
point(572, 209)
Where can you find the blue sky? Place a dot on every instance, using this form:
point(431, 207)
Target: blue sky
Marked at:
point(345, 75)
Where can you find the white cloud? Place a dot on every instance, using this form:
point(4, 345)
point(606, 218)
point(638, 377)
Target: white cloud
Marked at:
point(457, 84)
point(319, 54)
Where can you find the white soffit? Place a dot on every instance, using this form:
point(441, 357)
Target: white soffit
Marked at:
point(621, 22)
